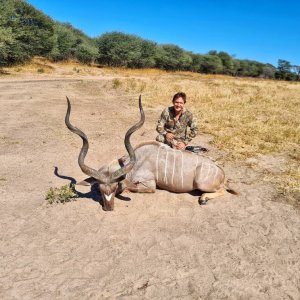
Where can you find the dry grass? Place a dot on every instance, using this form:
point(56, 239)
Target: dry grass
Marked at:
point(4, 140)
point(246, 116)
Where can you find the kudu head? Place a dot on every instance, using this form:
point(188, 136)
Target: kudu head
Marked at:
point(108, 181)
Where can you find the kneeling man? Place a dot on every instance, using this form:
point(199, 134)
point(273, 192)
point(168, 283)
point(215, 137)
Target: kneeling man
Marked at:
point(174, 123)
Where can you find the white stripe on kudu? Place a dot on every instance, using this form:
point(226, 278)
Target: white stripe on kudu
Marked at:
point(166, 167)
point(181, 169)
point(196, 165)
point(157, 156)
point(216, 169)
point(208, 170)
point(174, 160)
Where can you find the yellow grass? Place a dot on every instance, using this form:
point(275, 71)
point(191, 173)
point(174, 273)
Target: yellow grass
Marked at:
point(246, 116)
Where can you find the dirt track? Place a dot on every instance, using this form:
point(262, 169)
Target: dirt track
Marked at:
point(156, 246)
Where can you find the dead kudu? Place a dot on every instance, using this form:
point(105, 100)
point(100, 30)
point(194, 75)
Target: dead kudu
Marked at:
point(149, 165)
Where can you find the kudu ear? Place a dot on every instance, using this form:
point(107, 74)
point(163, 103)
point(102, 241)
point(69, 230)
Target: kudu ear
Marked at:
point(88, 181)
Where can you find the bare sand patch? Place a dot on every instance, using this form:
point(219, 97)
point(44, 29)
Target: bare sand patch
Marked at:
point(155, 246)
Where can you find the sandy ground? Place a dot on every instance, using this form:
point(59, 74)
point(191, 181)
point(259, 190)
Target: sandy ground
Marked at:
point(155, 246)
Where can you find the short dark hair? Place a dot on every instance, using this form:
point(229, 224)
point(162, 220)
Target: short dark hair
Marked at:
point(179, 95)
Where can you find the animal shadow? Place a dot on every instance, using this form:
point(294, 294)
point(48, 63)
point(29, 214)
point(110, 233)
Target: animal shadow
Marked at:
point(195, 193)
point(93, 194)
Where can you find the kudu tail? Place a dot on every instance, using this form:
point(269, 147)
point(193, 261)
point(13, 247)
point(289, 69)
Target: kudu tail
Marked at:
point(229, 189)
point(233, 192)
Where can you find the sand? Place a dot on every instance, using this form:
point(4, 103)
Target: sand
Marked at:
point(152, 246)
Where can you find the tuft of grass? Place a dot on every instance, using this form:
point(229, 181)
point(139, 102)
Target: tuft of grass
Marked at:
point(63, 194)
point(7, 140)
point(77, 70)
point(116, 83)
point(288, 181)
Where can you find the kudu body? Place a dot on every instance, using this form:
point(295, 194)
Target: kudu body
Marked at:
point(150, 165)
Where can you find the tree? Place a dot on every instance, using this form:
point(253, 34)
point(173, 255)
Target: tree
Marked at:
point(197, 60)
point(227, 62)
point(64, 43)
point(212, 52)
point(124, 50)
point(284, 70)
point(296, 69)
point(171, 57)
point(284, 65)
point(25, 32)
point(249, 68)
point(86, 53)
point(211, 64)
point(6, 36)
point(71, 43)
point(268, 71)
point(147, 54)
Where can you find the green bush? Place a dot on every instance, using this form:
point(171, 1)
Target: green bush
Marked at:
point(24, 32)
point(86, 53)
point(118, 49)
point(63, 194)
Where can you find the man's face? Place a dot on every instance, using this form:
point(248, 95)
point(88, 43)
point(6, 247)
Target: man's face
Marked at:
point(178, 105)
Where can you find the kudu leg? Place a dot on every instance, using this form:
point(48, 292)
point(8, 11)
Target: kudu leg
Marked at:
point(207, 196)
point(141, 186)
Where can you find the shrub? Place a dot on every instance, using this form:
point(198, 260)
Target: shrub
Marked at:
point(63, 194)
point(116, 83)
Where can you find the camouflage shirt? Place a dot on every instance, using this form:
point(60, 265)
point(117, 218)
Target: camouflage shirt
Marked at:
point(168, 123)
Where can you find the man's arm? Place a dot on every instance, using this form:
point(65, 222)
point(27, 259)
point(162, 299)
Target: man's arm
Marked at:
point(160, 128)
point(193, 124)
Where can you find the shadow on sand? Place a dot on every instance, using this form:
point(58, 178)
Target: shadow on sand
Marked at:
point(93, 194)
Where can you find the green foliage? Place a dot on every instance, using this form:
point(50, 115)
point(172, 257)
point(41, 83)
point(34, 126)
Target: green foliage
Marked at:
point(250, 68)
point(211, 64)
point(64, 43)
point(227, 62)
point(284, 66)
point(284, 71)
point(197, 60)
point(63, 194)
point(86, 53)
point(71, 43)
point(172, 58)
point(268, 71)
point(6, 40)
point(24, 31)
point(117, 49)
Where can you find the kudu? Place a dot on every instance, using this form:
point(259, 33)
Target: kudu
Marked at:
point(149, 165)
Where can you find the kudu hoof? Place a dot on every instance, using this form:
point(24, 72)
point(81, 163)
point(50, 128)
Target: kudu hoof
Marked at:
point(202, 202)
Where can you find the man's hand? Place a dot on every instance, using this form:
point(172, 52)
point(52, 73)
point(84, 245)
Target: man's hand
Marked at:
point(180, 146)
point(169, 136)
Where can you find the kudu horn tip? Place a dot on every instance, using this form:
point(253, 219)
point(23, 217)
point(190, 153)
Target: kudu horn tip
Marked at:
point(140, 102)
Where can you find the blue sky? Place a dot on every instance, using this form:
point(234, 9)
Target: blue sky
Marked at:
point(262, 30)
